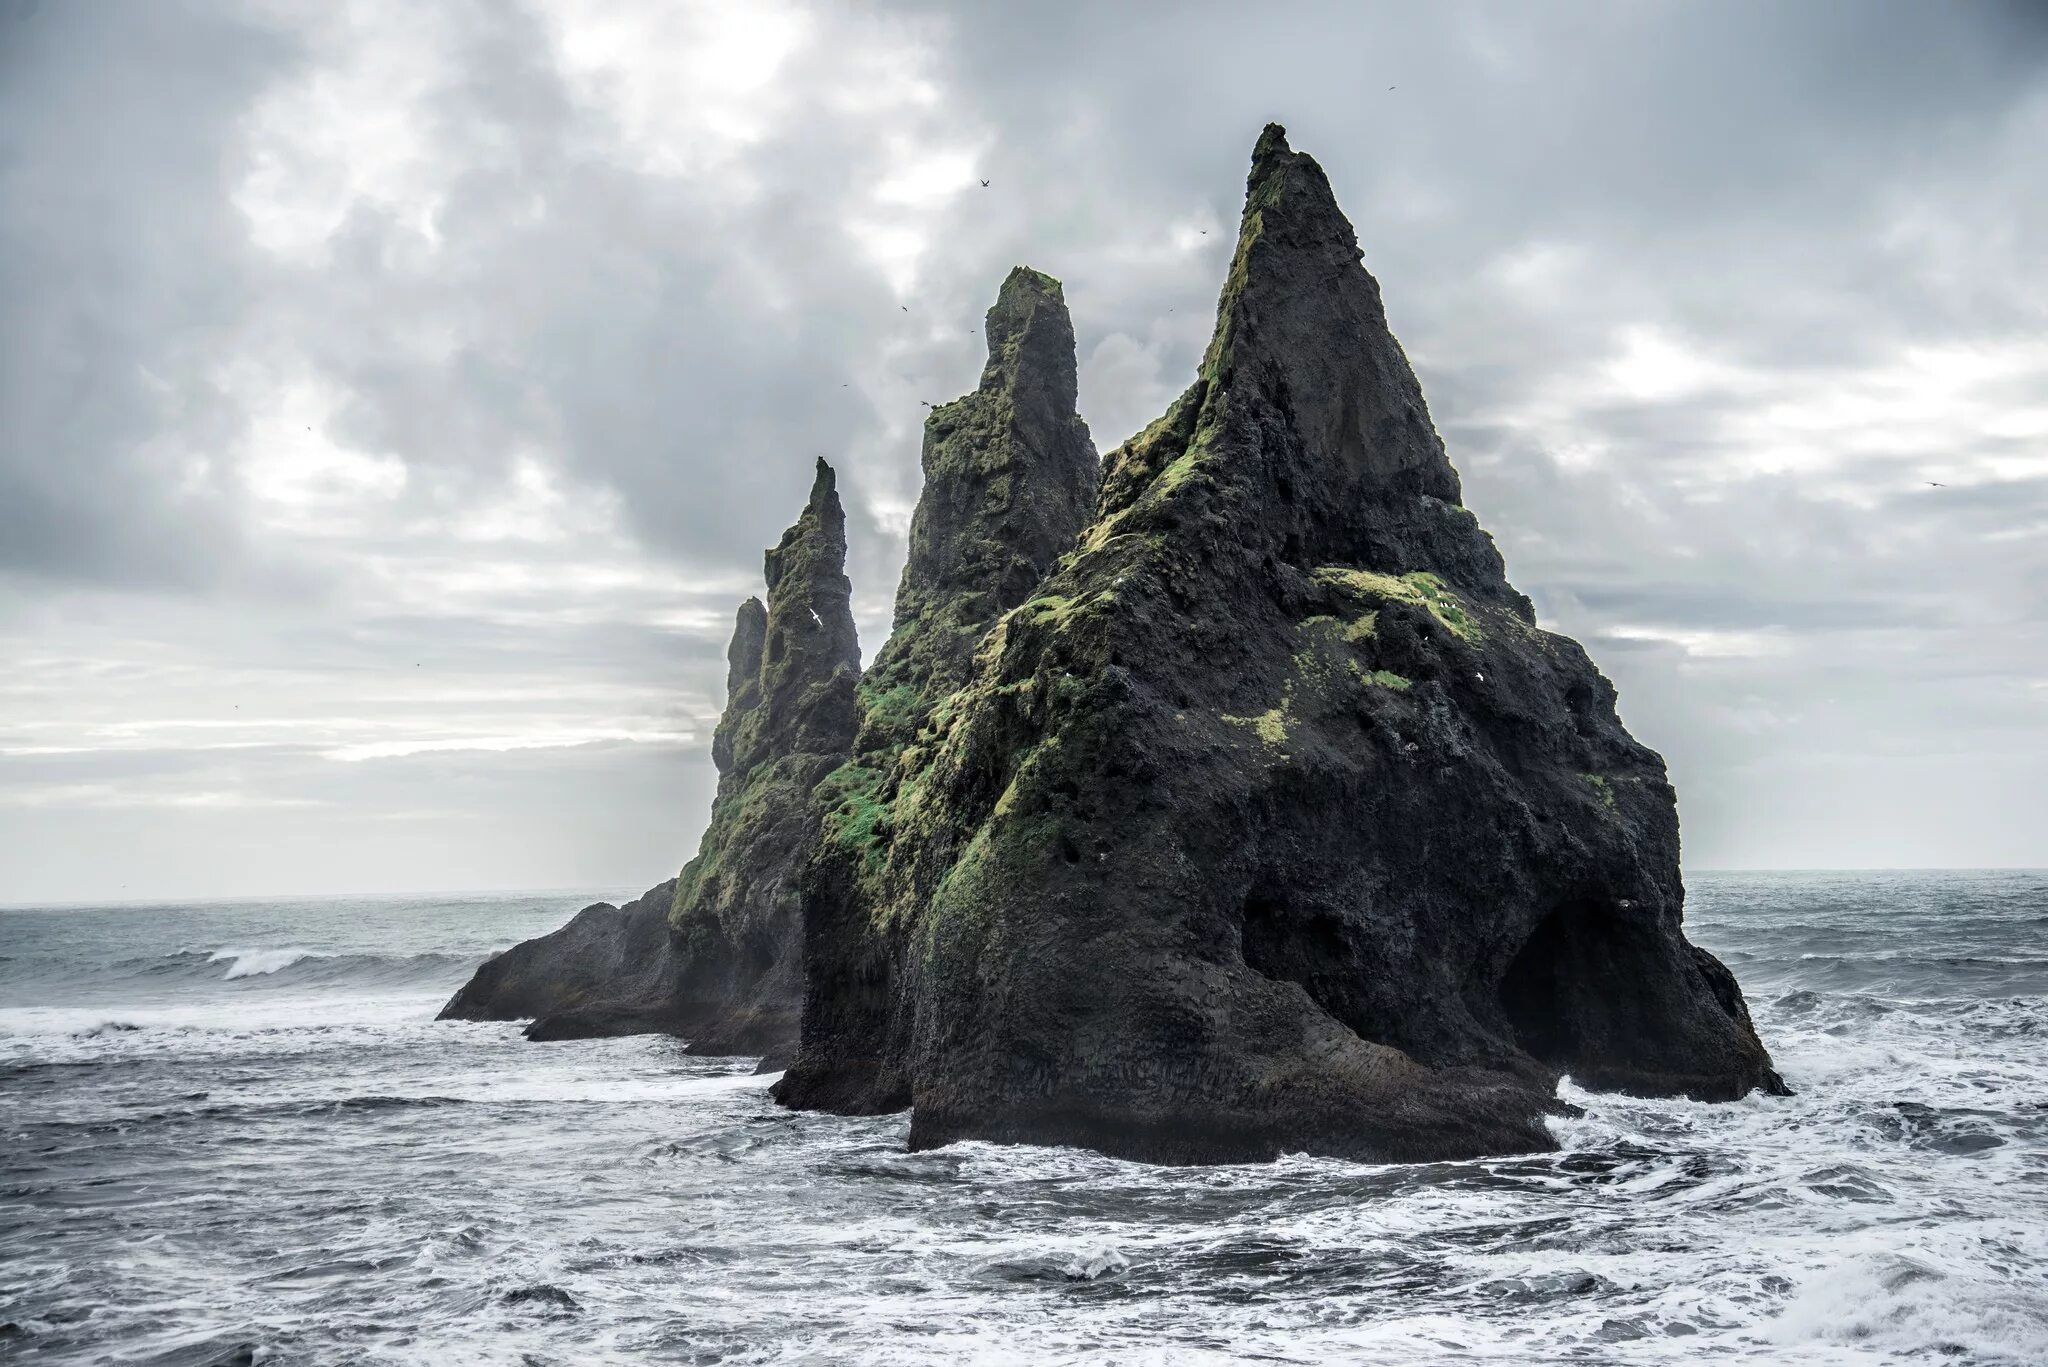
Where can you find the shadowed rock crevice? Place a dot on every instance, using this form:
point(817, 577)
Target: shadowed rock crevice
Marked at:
point(1250, 829)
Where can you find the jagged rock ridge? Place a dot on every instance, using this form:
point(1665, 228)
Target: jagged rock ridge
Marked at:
point(1272, 822)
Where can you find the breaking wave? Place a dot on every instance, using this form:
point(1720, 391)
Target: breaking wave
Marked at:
point(193, 972)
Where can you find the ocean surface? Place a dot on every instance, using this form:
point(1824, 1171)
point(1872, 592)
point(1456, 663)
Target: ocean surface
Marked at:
point(234, 1132)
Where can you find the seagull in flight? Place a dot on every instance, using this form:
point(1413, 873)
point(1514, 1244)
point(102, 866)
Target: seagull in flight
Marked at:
point(1932, 485)
point(984, 185)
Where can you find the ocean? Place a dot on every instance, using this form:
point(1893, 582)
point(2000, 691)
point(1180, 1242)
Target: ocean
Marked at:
point(233, 1132)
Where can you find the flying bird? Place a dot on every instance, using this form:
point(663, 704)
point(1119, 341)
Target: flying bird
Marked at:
point(1932, 485)
point(984, 185)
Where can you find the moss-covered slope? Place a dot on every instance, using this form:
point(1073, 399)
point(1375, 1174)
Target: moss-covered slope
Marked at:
point(1009, 481)
point(1271, 821)
point(790, 719)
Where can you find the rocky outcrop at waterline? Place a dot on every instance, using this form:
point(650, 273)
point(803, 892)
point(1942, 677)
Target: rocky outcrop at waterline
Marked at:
point(1271, 821)
point(608, 972)
point(715, 954)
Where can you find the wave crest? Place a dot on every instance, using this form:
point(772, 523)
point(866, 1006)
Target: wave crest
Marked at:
point(251, 963)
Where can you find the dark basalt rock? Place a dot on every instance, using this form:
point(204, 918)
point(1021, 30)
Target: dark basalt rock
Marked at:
point(1272, 822)
point(737, 919)
point(715, 955)
point(1009, 481)
point(607, 972)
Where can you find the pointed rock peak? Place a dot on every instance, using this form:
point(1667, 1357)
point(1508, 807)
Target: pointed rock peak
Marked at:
point(1024, 292)
point(1287, 188)
point(1270, 150)
point(1302, 335)
point(1010, 474)
point(816, 540)
point(824, 485)
point(1031, 339)
point(1292, 235)
point(810, 641)
point(789, 720)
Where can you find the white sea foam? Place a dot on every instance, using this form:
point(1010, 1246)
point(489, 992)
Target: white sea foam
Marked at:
point(253, 963)
point(1089, 1264)
point(1890, 1213)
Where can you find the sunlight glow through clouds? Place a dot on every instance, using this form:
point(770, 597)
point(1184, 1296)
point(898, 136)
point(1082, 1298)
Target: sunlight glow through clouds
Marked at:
point(354, 130)
point(1652, 367)
point(1706, 643)
point(687, 88)
point(306, 482)
point(373, 750)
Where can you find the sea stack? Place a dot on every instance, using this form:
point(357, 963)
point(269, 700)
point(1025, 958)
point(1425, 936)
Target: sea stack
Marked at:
point(789, 721)
point(715, 955)
point(1271, 821)
point(1010, 479)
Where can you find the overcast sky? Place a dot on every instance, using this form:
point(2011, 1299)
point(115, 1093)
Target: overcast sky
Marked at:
point(395, 399)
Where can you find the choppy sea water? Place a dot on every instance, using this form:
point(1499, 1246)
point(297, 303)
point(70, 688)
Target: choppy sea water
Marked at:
point(233, 1132)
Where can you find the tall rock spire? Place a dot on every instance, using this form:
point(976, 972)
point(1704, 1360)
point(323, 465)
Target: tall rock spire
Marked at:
point(790, 720)
point(715, 955)
point(1270, 822)
point(1009, 479)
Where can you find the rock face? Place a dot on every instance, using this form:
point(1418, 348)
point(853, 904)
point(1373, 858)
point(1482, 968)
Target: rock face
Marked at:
point(1271, 821)
point(1009, 481)
point(715, 955)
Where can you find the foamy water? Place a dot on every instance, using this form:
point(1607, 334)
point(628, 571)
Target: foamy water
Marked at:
point(238, 1125)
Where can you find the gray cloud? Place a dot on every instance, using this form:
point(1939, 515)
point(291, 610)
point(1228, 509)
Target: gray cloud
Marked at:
point(418, 379)
point(120, 267)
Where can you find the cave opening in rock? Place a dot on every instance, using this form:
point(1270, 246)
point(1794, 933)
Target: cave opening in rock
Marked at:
point(1565, 967)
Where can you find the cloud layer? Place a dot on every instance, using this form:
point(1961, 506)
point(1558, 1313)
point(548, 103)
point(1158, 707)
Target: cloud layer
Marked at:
point(394, 401)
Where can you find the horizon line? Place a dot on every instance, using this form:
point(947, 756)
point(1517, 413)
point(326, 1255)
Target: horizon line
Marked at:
point(584, 890)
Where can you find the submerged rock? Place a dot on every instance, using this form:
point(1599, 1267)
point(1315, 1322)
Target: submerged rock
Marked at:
point(1271, 822)
point(1009, 481)
point(715, 955)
